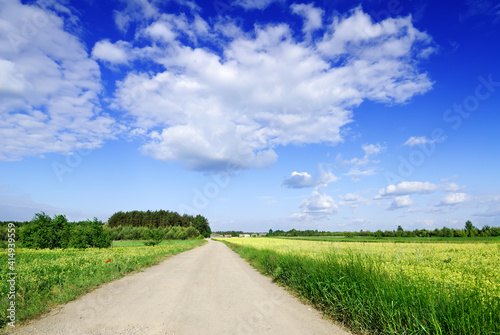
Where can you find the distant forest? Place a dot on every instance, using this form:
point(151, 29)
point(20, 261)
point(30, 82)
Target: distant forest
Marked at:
point(469, 231)
point(138, 219)
point(159, 219)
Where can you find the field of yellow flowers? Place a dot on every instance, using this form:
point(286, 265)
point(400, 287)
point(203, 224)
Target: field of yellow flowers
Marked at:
point(388, 288)
point(48, 277)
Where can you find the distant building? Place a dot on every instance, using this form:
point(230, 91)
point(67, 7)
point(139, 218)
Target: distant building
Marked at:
point(253, 235)
point(216, 236)
point(226, 236)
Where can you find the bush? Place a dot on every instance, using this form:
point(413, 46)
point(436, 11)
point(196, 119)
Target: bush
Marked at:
point(43, 232)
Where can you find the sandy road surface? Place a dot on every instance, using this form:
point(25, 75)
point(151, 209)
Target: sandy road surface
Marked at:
point(207, 290)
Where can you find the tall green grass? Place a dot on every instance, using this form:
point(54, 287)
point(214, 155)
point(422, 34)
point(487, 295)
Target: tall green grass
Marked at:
point(354, 290)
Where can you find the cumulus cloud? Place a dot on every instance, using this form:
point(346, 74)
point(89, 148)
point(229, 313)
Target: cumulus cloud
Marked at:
point(304, 179)
point(406, 188)
point(50, 101)
point(452, 199)
point(352, 200)
point(235, 103)
point(312, 16)
point(319, 203)
point(114, 53)
point(299, 180)
point(400, 202)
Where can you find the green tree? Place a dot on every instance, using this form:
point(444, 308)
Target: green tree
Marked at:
point(470, 229)
point(201, 224)
point(44, 232)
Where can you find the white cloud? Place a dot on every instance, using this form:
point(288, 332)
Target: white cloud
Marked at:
point(235, 105)
point(312, 16)
point(12, 81)
point(115, 53)
point(400, 202)
point(452, 199)
point(406, 188)
point(352, 200)
point(254, 4)
point(453, 187)
point(304, 179)
point(299, 180)
point(319, 203)
point(50, 103)
point(355, 171)
point(422, 140)
point(371, 151)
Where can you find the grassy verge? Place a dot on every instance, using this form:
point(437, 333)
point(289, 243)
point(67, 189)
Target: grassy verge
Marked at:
point(49, 277)
point(355, 289)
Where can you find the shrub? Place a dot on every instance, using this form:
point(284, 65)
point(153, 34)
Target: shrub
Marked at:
point(43, 232)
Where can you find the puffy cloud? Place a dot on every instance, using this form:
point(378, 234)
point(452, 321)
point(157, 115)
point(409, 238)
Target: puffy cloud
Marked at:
point(352, 200)
point(304, 179)
point(235, 103)
point(400, 202)
point(115, 53)
point(319, 203)
point(12, 81)
point(299, 180)
point(50, 102)
point(453, 187)
point(406, 188)
point(452, 199)
point(312, 16)
point(372, 149)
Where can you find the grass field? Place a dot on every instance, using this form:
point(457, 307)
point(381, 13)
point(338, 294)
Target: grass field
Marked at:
point(117, 244)
point(388, 288)
point(49, 277)
point(398, 239)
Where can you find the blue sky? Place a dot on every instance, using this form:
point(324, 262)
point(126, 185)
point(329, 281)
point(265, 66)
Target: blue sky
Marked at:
point(329, 115)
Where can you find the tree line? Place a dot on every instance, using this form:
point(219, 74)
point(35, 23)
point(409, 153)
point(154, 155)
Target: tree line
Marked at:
point(469, 231)
point(160, 218)
point(57, 232)
point(45, 232)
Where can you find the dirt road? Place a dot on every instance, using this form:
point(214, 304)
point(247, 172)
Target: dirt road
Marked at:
point(208, 290)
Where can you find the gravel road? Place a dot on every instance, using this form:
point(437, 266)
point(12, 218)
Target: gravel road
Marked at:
point(207, 290)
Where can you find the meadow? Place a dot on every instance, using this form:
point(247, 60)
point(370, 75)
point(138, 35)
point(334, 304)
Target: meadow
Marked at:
point(387, 287)
point(49, 277)
point(433, 239)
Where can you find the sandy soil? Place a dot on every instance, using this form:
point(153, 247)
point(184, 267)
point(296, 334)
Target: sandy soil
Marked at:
point(207, 290)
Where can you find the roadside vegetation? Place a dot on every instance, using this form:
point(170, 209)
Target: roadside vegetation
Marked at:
point(50, 277)
point(57, 261)
point(388, 288)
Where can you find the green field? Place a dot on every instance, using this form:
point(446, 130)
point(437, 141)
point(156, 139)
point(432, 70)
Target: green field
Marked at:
point(388, 288)
point(398, 239)
point(117, 244)
point(50, 277)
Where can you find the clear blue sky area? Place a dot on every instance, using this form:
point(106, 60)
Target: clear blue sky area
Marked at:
point(258, 114)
